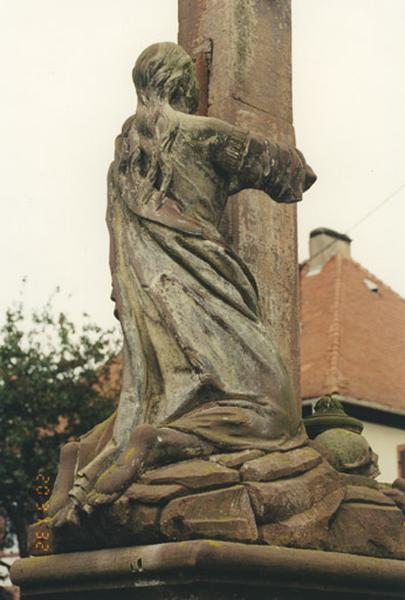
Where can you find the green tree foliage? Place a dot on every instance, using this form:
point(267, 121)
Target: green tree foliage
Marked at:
point(49, 370)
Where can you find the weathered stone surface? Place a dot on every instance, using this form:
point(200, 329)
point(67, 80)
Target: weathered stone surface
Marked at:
point(125, 522)
point(143, 253)
point(222, 514)
point(308, 529)
point(278, 500)
point(368, 529)
point(397, 493)
point(276, 465)
point(194, 474)
point(144, 523)
point(154, 494)
point(230, 571)
point(250, 38)
point(348, 452)
point(44, 539)
point(236, 459)
point(358, 480)
point(397, 496)
point(41, 538)
point(355, 493)
point(64, 481)
point(122, 523)
point(194, 331)
point(399, 483)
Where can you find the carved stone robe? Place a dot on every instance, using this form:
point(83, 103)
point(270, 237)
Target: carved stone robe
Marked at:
point(196, 355)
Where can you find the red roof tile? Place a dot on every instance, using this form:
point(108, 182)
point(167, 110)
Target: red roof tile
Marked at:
point(352, 338)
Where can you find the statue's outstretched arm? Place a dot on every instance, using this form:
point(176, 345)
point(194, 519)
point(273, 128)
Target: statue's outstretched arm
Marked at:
point(255, 162)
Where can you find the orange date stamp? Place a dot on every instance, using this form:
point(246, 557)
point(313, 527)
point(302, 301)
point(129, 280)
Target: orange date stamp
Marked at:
point(42, 491)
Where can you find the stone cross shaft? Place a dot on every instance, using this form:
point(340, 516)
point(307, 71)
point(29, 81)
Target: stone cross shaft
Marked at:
point(243, 60)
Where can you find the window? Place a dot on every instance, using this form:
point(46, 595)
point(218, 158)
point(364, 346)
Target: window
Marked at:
point(371, 285)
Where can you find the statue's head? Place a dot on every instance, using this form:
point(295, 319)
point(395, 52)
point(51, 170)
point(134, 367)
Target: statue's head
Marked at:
point(165, 71)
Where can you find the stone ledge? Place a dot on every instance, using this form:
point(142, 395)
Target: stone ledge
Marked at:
point(108, 573)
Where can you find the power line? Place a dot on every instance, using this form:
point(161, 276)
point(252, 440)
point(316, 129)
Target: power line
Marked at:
point(373, 210)
point(364, 218)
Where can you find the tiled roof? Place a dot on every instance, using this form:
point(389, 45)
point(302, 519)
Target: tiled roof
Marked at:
point(352, 336)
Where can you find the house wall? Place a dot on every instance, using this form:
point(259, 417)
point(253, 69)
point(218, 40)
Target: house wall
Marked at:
point(385, 440)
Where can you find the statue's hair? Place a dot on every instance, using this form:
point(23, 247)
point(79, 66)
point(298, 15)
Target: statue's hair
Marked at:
point(159, 78)
point(159, 69)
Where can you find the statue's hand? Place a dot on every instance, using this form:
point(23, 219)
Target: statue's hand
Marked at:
point(310, 177)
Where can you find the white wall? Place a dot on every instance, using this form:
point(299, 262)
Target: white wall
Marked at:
point(384, 441)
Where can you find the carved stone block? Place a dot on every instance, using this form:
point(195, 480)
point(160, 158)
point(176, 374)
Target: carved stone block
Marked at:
point(234, 460)
point(223, 514)
point(356, 493)
point(126, 522)
point(194, 474)
point(154, 494)
point(368, 529)
point(359, 480)
point(278, 500)
point(308, 529)
point(276, 465)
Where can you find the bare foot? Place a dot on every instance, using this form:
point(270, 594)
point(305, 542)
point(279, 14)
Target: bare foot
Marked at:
point(115, 480)
point(95, 499)
point(148, 447)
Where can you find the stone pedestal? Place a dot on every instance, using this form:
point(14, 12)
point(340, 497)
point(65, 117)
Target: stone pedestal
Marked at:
point(208, 570)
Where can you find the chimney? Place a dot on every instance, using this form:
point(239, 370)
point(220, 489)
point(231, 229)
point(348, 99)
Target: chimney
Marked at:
point(325, 243)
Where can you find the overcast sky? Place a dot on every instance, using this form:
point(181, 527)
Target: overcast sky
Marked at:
point(66, 89)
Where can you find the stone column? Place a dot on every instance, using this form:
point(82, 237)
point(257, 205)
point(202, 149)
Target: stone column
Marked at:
point(243, 52)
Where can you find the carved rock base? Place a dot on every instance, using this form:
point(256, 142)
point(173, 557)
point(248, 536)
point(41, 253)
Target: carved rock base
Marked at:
point(294, 499)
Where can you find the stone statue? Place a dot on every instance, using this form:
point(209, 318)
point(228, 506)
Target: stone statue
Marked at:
point(200, 370)
point(206, 412)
